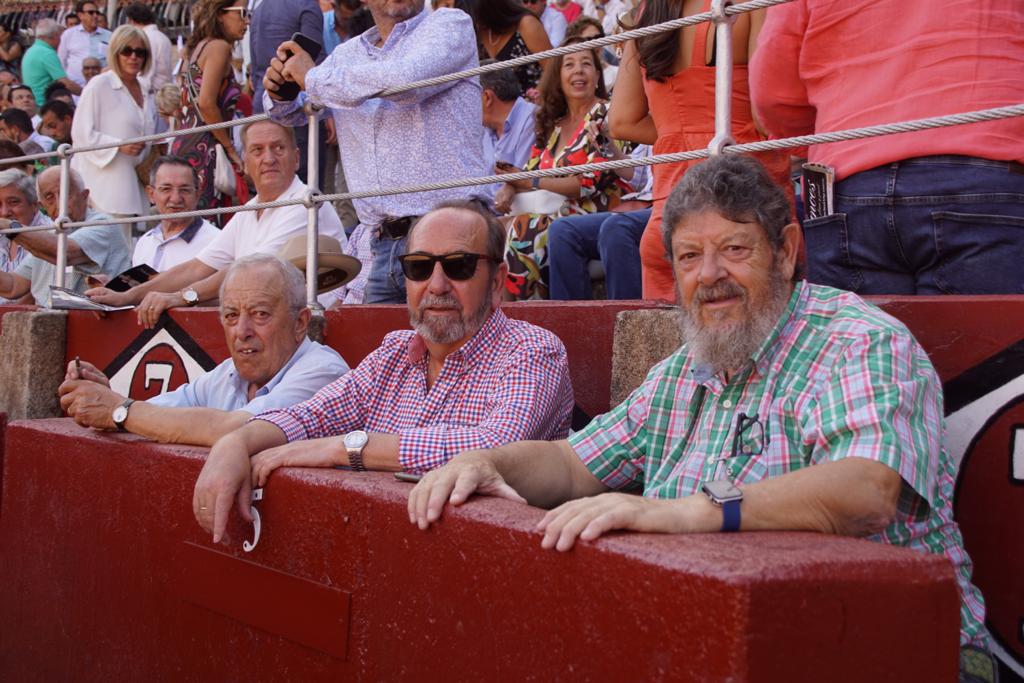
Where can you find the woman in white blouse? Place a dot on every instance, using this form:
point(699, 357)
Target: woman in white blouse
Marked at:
point(116, 105)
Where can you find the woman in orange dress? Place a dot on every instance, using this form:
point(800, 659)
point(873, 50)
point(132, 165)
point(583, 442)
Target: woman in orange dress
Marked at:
point(665, 96)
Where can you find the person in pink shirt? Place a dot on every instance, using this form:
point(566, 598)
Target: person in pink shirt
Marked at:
point(929, 212)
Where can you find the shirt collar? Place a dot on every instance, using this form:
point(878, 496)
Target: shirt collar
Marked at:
point(188, 233)
point(115, 80)
point(371, 36)
point(519, 108)
point(763, 356)
point(478, 344)
point(242, 386)
point(40, 219)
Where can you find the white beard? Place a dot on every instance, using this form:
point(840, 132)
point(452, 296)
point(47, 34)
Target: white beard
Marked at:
point(727, 347)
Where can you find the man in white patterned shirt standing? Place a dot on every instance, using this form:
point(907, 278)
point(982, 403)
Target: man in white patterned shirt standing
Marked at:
point(426, 135)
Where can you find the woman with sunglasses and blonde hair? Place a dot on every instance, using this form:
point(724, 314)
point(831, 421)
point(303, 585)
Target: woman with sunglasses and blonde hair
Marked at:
point(209, 89)
point(115, 106)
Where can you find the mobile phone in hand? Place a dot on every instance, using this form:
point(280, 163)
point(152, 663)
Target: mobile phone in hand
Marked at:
point(289, 90)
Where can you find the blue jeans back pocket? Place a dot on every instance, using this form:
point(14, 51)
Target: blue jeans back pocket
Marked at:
point(828, 253)
point(977, 253)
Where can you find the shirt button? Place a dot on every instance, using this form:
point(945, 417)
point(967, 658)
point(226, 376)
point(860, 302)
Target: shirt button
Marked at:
point(727, 403)
point(711, 459)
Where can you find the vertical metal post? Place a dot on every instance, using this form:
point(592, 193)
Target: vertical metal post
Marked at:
point(313, 211)
point(723, 77)
point(62, 214)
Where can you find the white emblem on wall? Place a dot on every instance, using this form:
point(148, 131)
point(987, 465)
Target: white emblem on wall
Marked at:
point(155, 372)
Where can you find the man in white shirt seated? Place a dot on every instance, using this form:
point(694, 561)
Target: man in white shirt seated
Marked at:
point(173, 188)
point(91, 251)
point(272, 365)
point(271, 160)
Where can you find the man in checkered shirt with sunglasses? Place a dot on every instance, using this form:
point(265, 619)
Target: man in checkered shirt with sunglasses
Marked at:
point(465, 377)
point(791, 406)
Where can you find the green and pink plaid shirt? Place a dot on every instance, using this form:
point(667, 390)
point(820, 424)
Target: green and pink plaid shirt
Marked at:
point(837, 378)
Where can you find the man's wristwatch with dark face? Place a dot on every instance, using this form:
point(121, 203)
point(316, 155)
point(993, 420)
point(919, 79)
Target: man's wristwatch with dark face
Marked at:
point(725, 495)
point(120, 414)
point(190, 296)
point(354, 444)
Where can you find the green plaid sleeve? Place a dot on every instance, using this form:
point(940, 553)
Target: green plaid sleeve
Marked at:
point(613, 445)
point(884, 403)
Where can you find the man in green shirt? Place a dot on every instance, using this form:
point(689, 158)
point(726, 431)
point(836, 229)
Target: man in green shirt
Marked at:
point(790, 406)
point(41, 66)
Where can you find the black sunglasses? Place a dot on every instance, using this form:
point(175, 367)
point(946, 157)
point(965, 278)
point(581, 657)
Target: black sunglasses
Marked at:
point(140, 52)
point(458, 266)
point(90, 11)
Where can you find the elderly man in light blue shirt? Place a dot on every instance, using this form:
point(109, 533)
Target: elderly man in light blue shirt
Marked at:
point(426, 135)
point(272, 365)
point(91, 251)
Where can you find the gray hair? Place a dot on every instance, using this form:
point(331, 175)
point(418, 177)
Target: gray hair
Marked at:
point(735, 186)
point(21, 182)
point(294, 281)
point(503, 84)
point(47, 27)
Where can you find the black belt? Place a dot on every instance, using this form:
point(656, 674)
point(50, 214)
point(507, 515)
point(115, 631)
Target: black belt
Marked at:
point(397, 228)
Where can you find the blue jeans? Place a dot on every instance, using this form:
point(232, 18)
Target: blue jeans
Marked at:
point(386, 282)
point(614, 238)
point(928, 225)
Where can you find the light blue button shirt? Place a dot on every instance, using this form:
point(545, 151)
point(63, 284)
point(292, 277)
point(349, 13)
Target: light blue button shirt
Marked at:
point(423, 136)
point(310, 368)
point(518, 135)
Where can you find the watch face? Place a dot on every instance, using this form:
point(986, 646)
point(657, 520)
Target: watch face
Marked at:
point(190, 295)
point(120, 414)
point(722, 490)
point(356, 439)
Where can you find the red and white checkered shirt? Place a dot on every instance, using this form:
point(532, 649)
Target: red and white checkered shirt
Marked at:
point(509, 382)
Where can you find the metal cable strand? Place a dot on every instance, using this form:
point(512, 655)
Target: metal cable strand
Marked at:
point(633, 34)
point(766, 145)
point(158, 137)
point(762, 146)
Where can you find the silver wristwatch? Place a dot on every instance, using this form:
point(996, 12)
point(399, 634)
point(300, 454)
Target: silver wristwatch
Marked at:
point(190, 296)
point(120, 414)
point(354, 444)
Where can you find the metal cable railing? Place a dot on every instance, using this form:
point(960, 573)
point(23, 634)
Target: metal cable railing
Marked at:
point(722, 14)
point(675, 157)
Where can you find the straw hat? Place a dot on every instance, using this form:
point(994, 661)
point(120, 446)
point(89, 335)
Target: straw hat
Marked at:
point(335, 268)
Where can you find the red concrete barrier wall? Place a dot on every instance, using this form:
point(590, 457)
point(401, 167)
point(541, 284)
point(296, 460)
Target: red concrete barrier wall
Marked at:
point(105, 576)
point(976, 344)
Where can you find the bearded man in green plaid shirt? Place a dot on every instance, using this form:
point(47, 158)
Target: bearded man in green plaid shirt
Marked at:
point(790, 406)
